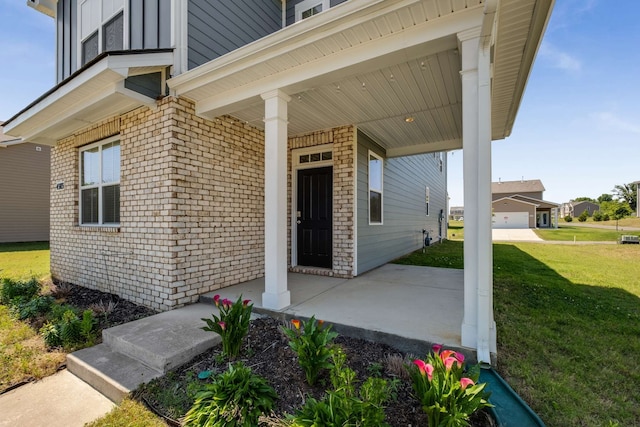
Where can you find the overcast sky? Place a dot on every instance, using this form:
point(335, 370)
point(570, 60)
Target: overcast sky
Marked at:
point(577, 130)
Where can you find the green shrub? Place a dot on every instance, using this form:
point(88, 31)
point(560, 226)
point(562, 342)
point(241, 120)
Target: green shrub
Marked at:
point(11, 289)
point(583, 216)
point(597, 216)
point(568, 218)
point(606, 217)
point(28, 309)
point(343, 406)
point(70, 331)
point(236, 397)
point(311, 344)
point(232, 325)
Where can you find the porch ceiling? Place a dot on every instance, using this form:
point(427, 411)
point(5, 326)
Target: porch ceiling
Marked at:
point(375, 63)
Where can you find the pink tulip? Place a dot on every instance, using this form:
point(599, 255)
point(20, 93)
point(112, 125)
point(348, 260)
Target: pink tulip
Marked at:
point(226, 303)
point(436, 348)
point(446, 353)
point(429, 368)
point(223, 325)
point(421, 365)
point(216, 300)
point(425, 368)
point(449, 361)
point(246, 302)
point(460, 358)
point(466, 382)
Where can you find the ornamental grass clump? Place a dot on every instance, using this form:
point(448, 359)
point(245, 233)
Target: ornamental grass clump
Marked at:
point(236, 398)
point(448, 393)
point(311, 344)
point(232, 325)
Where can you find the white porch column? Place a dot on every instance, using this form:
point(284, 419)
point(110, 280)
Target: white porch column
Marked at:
point(478, 326)
point(276, 293)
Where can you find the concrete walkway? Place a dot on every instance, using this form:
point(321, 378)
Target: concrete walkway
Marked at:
point(61, 400)
point(514, 235)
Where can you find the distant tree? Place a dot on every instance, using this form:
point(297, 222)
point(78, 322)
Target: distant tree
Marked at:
point(627, 193)
point(584, 199)
point(605, 198)
point(616, 209)
point(597, 216)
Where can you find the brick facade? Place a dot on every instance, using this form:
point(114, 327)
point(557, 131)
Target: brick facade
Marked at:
point(191, 206)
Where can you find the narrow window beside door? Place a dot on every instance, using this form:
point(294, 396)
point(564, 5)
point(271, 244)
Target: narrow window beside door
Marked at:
point(375, 188)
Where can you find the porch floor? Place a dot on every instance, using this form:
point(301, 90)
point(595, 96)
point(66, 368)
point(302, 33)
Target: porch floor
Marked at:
point(409, 307)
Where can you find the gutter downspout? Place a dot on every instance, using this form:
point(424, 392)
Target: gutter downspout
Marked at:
point(284, 13)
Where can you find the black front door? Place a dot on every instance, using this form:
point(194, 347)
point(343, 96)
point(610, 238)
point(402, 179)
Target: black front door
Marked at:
point(314, 217)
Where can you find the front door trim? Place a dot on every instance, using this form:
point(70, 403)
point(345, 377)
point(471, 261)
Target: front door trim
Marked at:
point(295, 166)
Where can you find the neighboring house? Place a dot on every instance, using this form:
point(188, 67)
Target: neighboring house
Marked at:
point(199, 144)
point(637, 183)
point(456, 213)
point(520, 204)
point(24, 194)
point(575, 209)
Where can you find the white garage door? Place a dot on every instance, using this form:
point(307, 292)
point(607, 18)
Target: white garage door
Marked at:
point(511, 220)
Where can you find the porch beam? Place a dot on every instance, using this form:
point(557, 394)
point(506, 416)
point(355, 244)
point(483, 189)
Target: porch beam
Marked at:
point(276, 294)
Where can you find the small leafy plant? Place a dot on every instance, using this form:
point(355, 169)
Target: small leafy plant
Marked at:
point(343, 406)
point(232, 325)
point(311, 344)
point(448, 394)
point(70, 331)
point(11, 290)
point(237, 397)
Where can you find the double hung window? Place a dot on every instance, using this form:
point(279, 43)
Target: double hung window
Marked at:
point(101, 27)
point(100, 183)
point(307, 8)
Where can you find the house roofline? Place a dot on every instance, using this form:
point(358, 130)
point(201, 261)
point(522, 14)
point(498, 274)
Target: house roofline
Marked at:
point(80, 71)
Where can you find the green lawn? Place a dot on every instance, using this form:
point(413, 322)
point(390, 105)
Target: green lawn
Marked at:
point(456, 230)
point(19, 261)
point(582, 234)
point(568, 322)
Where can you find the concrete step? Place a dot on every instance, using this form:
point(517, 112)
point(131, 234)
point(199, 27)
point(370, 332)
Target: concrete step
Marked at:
point(137, 352)
point(166, 340)
point(111, 373)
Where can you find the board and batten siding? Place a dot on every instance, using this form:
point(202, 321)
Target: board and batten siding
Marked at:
point(149, 28)
point(291, 9)
point(404, 209)
point(216, 27)
point(25, 173)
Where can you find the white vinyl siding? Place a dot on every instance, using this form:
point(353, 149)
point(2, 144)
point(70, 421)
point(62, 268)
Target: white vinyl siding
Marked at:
point(100, 183)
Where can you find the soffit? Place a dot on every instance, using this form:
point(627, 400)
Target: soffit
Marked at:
point(375, 64)
point(89, 96)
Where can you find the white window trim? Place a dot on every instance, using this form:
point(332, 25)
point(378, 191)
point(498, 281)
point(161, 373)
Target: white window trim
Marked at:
point(295, 166)
point(103, 20)
point(308, 4)
point(377, 156)
point(99, 185)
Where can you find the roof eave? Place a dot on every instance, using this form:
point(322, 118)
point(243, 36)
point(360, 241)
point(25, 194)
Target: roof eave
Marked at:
point(94, 93)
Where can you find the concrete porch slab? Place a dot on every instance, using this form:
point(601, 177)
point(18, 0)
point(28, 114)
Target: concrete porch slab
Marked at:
point(396, 304)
